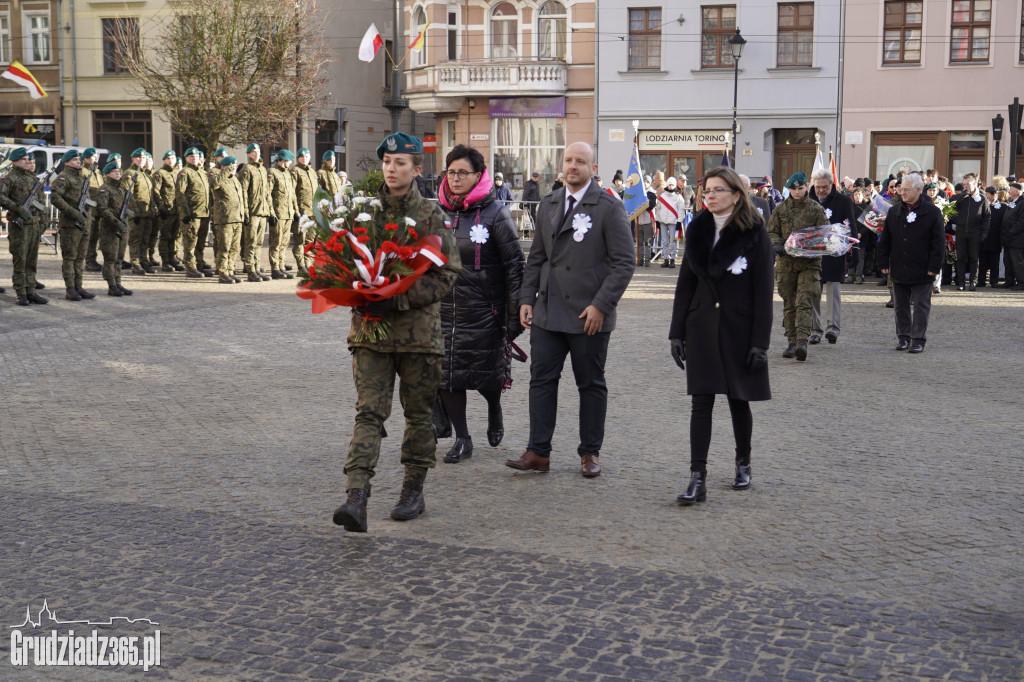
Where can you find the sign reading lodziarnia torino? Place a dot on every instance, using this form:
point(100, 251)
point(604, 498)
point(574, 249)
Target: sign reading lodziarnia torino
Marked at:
point(683, 140)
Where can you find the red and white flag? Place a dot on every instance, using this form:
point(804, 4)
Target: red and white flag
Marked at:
point(22, 76)
point(370, 44)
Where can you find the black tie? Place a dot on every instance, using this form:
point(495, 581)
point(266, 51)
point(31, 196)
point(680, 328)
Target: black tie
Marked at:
point(568, 211)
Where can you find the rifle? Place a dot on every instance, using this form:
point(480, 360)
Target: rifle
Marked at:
point(30, 201)
point(85, 203)
point(127, 187)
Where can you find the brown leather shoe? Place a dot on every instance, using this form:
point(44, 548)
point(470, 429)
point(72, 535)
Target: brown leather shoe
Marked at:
point(590, 468)
point(530, 461)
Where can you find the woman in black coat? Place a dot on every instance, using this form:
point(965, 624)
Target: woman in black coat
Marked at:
point(722, 319)
point(480, 315)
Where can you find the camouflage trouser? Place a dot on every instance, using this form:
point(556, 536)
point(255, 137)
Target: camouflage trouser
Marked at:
point(94, 236)
point(189, 237)
point(112, 247)
point(24, 245)
point(798, 289)
point(151, 246)
point(73, 244)
point(227, 238)
point(419, 377)
point(201, 235)
point(252, 242)
point(170, 239)
point(138, 242)
point(278, 242)
point(299, 241)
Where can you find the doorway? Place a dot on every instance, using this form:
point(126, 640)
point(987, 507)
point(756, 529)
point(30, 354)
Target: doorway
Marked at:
point(794, 153)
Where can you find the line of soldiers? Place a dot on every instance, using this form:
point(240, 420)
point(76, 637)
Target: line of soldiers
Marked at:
point(167, 211)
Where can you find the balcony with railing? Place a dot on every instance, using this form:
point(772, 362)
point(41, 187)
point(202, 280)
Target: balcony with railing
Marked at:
point(438, 87)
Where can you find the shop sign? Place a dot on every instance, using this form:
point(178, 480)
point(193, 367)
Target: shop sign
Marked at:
point(527, 107)
point(683, 140)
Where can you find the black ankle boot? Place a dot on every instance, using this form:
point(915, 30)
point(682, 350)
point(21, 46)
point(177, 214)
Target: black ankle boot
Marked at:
point(495, 426)
point(742, 480)
point(410, 503)
point(696, 491)
point(352, 514)
point(462, 449)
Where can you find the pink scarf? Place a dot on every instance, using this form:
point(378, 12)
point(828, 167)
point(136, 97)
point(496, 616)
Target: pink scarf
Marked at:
point(455, 202)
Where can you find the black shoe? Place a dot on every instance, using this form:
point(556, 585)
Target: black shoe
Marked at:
point(664, 263)
point(37, 299)
point(237, 281)
point(22, 299)
point(208, 273)
point(72, 294)
point(2, 290)
point(253, 277)
point(178, 267)
point(801, 350)
point(410, 503)
point(672, 262)
point(150, 269)
point(84, 294)
point(138, 270)
point(280, 274)
point(916, 347)
point(790, 351)
point(114, 291)
point(226, 279)
point(831, 337)
point(742, 480)
point(40, 285)
point(814, 340)
point(125, 265)
point(903, 345)
point(288, 267)
point(971, 287)
point(93, 266)
point(352, 514)
point(495, 427)
point(462, 449)
point(167, 267)
point(126, 292)
point(264, 278)
point(696, 491)
point(195, 274)
point(890, 304)
point(884, 282)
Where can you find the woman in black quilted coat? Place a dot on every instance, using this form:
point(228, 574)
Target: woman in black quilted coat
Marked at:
point(480, 315)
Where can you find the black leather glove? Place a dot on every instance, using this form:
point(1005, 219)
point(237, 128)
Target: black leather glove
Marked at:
point(164, 214)
point(780, 249)
point(136, 221)
point(295, 216)
point(757, 358)
point(272, 220)
point(379, 308)
point(76, 215)
point(123, 226)
point(678, 352)
point(187, 218)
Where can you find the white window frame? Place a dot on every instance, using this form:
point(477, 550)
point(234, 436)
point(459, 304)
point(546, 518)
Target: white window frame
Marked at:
point(456, 27)
point(28, 34)
point(489, 19)
point(568, 31)
point(417, 59)
point(5, 38)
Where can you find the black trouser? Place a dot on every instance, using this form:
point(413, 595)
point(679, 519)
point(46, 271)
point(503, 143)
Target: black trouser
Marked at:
point(1017, 260)
point(588, 354)
point(1011, 273)
point(988, 267)
point(912, 326)
point(700, 430)
point(967, 244)
point(455, 406)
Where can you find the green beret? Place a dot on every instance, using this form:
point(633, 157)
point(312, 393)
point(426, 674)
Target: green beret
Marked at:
point(930, 185)
point(18, 154)
point(285, 155)
point(140, 152)
point(302, 150)
point(253, 147)
point(221, 151)
point(113, 156)
point(328, 155)
point(228, 160)
point(796, 180)
point(68, 155)
point(399, 143)
point(169, 154)
point(89, 152)
point(109, 167)
point(191, 150)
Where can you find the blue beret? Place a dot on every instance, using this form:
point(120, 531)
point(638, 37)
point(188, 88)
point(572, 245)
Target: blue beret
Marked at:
point(191, 150)
point(285, 155)
point(302, 150)
point(113, 156)
point(253, 147)
point(328, 155)
point(139, 152)
point(400, 143)
point(169, 153)
point(228, 160)
point(109, 167)
point(89, 152)
point(221, 151)
point(68, 155)
point(796, 180)
point(18, 154)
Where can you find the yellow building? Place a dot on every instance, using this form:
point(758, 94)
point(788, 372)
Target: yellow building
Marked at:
point(29, 36)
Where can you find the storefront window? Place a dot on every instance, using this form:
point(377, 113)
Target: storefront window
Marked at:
point(525, 145)
point(891, 159)
point(652, 163)
point(967, 141)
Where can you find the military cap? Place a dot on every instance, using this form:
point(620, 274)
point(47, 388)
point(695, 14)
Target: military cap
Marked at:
point(140, 152)
point(89, 152)
point(1011, 178)
point(113, 156)
point(109, 167)
point(328, 155)
point(68, 155)
point(191, 150)
point(991, 189)
point(221, 151)
point(930, 185)
point(285, 155)
point(253, 147)
point(200, 153)
point(400, 143)
point(796, 180)
point(228, 160)
point(302, 150)
point(18, 154)
point(169, 154)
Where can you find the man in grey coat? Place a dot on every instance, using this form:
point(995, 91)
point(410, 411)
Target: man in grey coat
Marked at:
point(579, 265)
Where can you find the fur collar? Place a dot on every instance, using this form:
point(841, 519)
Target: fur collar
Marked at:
point(712, 262)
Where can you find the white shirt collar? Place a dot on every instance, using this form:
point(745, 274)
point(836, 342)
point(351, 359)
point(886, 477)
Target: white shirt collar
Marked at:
point(577, 195)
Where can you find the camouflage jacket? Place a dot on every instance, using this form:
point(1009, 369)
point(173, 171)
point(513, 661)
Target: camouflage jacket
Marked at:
point(164, 192)
point(416, 317)
point(328, 181)
point(15, 188)
point(282, 193)
point(793, 215)
point(111, 196)
point(193, 193)
point(95, 177)
point(255, 185)
point(305, 187)
point(142, 192)
point(65, 192)
point(229, 204)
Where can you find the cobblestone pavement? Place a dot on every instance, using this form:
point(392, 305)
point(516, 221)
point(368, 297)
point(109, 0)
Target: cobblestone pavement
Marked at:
point(177, 455)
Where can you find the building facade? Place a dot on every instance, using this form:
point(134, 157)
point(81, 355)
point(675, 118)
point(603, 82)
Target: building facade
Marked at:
point(923, 95)
point(671, 68)
point(29, 35)
point(513, 78)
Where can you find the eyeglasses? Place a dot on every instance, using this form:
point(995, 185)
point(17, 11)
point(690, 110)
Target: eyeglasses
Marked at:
point(461, 175)
point(719, 190)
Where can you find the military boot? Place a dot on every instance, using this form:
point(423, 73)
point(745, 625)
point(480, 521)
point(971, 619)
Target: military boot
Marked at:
point(167, 267)
point(84, 294)
point(790, 351)
point(126, 292)
point(113, 289)
point(352, 514)
point(801, 350)
point(72, 294)
point(253, 277)
point(225, 279)
point(138, 270)
point(192, 272)
point(410, 502)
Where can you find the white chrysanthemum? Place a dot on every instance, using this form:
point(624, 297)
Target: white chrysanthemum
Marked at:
point(359, 200)
point(409, 222)
point(375, 203)
point(305, 223)
point(325, 206)
point(337, 224)
point(363, 217)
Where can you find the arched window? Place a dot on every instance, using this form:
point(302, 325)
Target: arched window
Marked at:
point(419, 20)
point(551, 31)
point(504, 31)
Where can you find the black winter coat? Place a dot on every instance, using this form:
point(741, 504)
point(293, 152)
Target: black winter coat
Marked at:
point(1012, 236)
point(995, 227)
point(910, 249)
point(483, 306)
point(838, 207)
point(971, 215)
point(720, 315)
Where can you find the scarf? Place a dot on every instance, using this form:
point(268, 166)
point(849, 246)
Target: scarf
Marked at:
point(459, 203)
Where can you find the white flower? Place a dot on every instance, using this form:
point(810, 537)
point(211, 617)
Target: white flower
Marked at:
point(340, 209)
point(911, 217)
point(759, 210)
point(828, 213)
point(375, 203)
point(363, 217)
point(1012, 204)
point(409, 222)
point(305, 222)
point(997, 205)
point(337, 224)
point(359, 200)
point(478, 234)
point(738, 265)
point(325, 206)
point(339, 198)
point(581, 222)
point(978, 198)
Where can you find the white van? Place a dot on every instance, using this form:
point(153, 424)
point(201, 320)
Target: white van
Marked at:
point(47, 156)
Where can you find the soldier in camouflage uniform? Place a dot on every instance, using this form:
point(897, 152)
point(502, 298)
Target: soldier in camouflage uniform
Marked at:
point(165, 193)
point(253, 178)
point(65, 193)
point(113, 230)
point(798, 278)
point(306, 183)
point(203, 233)
point(140, 206)
point(326, 176)
point(412, 350)
point(91, 171)
point(229, 212)
point(193, 205)
point(149, 244)
point(283, 208)
point(23, 240)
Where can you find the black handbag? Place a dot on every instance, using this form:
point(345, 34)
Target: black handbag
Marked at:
point(442, 424)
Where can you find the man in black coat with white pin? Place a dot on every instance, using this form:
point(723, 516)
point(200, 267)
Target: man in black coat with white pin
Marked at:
point(839, 209)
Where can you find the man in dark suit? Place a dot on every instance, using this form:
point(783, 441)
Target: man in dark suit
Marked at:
point(580, 264)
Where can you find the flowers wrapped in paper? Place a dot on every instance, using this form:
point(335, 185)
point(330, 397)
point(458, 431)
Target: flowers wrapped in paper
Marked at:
point(822, 240)
point(874, 218)
point(357, 262)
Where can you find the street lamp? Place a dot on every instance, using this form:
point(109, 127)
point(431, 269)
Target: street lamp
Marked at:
point(997, 134)
point(736, 44)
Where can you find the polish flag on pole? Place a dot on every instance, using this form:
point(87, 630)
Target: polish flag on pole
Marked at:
point(22, 76)
point(370, 44)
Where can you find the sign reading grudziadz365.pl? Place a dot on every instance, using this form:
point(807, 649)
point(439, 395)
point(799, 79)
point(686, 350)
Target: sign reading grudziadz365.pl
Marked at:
point(683, 140)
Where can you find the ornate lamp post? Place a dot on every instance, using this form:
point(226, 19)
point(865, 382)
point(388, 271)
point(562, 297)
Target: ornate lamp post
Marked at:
point(736, 44)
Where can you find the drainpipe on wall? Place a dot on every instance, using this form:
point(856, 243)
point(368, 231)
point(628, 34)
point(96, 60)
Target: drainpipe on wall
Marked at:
point(60, 78)
point(839, 89)
point(74, 77)
point(597, 75)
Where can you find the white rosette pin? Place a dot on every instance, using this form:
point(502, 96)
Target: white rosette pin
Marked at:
point(828, 213)
point(911, 217)
point(738, 265)
point(478, 234)
point(581, 224)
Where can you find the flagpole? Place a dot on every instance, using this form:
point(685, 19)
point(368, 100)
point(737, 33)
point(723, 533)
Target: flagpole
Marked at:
point(635, 150)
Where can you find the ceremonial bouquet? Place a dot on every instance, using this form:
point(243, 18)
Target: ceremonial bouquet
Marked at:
point(822, 240)
point(874, 219)
point(948, 211)
point(356, 263)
